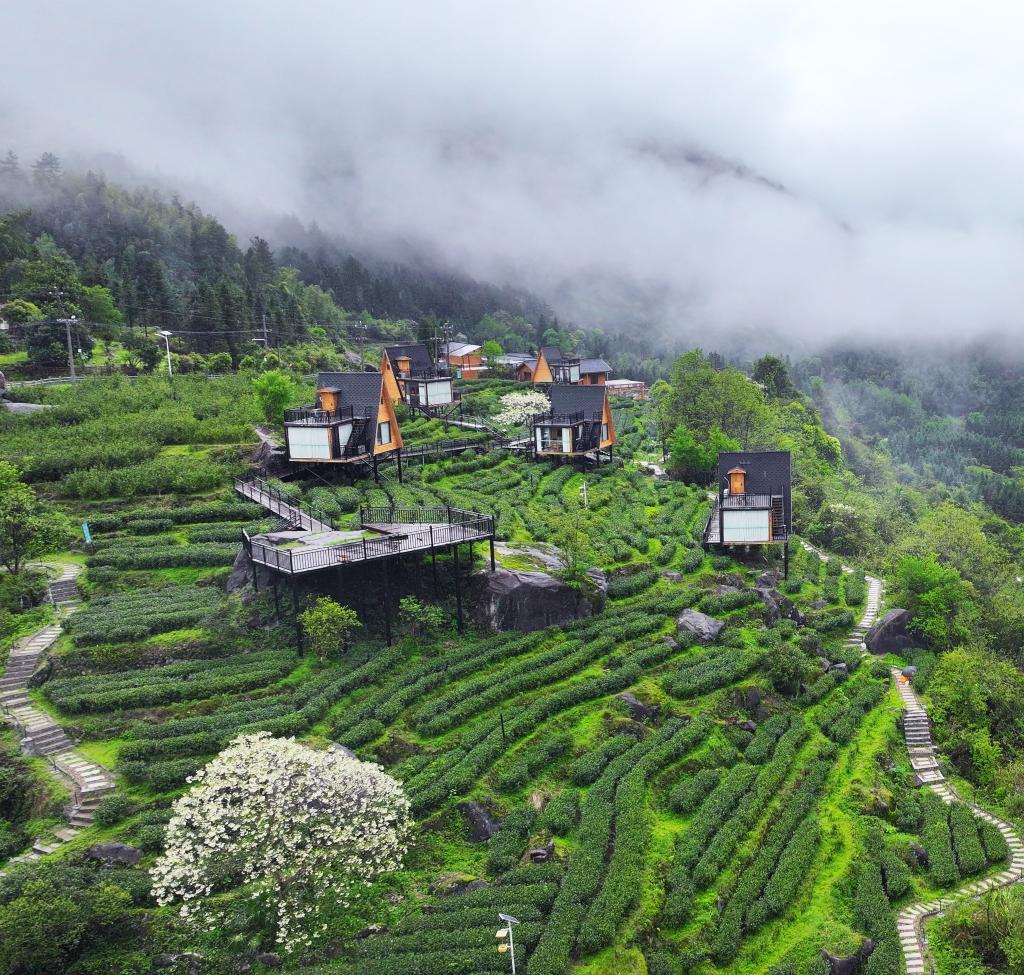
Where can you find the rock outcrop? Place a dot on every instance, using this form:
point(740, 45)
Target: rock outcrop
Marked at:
point(703, 628)
point(481, 825)
point(243, 572)
point(507, 599)
point(115, 854)
point(889, 634)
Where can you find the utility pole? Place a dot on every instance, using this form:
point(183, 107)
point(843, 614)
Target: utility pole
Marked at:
point(265, 343)
point(71, 354)
point(506, 932)
point(584, 496)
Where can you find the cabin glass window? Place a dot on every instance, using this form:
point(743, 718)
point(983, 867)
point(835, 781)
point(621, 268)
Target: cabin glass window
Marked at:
point(566, 440)
point(309, 443)
point(604, 432)
point(439, 393)
point(384, 432)
point(746, 526)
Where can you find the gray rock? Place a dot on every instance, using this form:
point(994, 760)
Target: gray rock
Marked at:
point(242, 574)
point(819, 604)
point(639, 711)
point(369, 931)
point(481, 825)
point(701, 626)
point(341, 749)
point(544, 853)
point(778, 606)
point(449, 884)
point(115, 854)
point(840, 670)
point(721, 590)
point(526, 601)
point(43, 674)
point(769, 579)
point(750, 726)
point(671, 575)
point(269, 958)
point(889, 634)
point(270, 458)
point(920, 854)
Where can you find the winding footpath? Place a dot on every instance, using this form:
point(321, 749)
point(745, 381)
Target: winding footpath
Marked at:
point(40, 734)
point(911, 920)
point(928, 774)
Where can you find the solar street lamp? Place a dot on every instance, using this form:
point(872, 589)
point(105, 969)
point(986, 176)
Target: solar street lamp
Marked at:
point(506, 932)
point(166, 336)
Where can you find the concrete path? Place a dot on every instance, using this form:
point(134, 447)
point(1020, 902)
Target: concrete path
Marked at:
point(928, 773)
point(40, 734)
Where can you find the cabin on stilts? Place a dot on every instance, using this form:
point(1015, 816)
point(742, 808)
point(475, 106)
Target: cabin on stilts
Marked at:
point(350, 428)
point(754, 501)
point(578, 426)
point(411, 376)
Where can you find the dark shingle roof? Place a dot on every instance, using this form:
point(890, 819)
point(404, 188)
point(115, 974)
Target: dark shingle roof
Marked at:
point(594, 365)
point(576, 399)
point(360, 390)
point(416, 353)
point(767, 472)
point(552, 354)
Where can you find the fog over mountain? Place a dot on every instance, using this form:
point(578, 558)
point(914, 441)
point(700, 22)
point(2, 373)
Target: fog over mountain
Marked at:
point(809, 170)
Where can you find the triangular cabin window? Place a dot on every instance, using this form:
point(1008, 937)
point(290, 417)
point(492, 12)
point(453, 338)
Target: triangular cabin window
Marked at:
point(737, 481)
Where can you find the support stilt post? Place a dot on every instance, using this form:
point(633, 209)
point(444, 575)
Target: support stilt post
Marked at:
point(376, 476)
point(298, 625)
point(785, 560)
point(277, 604)
point(387, 603)
point(399, 465)
point(492, 555)
point(458, 591)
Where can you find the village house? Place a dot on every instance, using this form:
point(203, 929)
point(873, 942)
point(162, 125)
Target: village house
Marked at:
point(462, 360)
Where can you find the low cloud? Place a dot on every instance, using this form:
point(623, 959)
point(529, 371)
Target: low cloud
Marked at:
point(771, 169)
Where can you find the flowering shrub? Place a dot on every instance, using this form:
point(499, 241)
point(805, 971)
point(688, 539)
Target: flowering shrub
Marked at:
point(518, 409)
point(297, 829)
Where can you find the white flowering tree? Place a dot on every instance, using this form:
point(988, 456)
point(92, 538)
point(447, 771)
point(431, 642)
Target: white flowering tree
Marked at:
point(518, 409)
point(292, 828)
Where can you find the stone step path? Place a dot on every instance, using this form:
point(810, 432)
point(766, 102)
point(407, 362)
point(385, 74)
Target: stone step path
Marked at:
point(872, 602)
point(928, 773)
point(43, 736)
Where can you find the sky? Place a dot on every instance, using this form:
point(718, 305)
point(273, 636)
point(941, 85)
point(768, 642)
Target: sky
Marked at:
point(813, 170)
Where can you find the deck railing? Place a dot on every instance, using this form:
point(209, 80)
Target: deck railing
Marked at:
point(741, 501)
point(312, 415)
point(255, 488)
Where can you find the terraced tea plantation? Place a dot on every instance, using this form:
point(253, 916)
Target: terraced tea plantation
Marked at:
point(640, 800)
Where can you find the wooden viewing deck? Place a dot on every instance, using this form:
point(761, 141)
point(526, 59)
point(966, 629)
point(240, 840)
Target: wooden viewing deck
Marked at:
point(390, 532)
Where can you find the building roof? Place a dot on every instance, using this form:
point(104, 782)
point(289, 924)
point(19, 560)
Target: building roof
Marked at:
point(458, 348)
point(552, 354)
point(360, 390)
point(415, 352)
point(625, 382)
point(532, 363)
point(594, 365)
point(766, 472)
point(566, 398)
point(514, 358)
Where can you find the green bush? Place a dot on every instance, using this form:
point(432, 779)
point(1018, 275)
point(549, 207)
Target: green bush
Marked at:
point(690, 791)
point(561, 813)
point(507, 846)
point(970, 856)
point(113, 808)
point(938, 842)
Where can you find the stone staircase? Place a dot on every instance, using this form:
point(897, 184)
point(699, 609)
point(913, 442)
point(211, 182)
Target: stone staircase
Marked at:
point(928, 773)
point(41, 735)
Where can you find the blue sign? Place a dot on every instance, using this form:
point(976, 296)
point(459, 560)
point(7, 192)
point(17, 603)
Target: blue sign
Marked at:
point(86, 533)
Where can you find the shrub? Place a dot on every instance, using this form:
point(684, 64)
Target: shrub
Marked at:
point(691, 790)
point(506, 847)
point(630, 585)
point(528, 761)
point(938, 842)
point(996, 850)
point(561, 813)
point(113, 808)
point(970, 856)
point(588, 767)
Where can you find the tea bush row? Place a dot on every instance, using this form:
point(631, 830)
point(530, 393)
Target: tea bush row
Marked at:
point(588, 767)
point(711, 669)
point(505, 849)
point(527, 762)
point(778, 865)
point(143, 612)
point(167, 556)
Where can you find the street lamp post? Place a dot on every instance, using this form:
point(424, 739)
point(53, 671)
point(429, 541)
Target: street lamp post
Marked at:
point(506, 932)
point(166, 336)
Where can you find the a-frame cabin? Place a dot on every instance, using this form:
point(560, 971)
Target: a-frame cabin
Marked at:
point(554, 366)
point(754, 501)
point(351, 424)
point(579, 424)
point(414, 378)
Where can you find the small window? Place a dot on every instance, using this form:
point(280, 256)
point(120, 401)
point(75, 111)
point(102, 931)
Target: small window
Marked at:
point(384, 432)
point(604, 431)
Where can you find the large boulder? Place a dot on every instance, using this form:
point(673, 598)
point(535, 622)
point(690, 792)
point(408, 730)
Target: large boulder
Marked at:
point(115, 854)
point(889, 634)
point(777, 606)
point(639, 711)
point(508, 599)
point(481, 825)
point(703, 628)
point(243, 574)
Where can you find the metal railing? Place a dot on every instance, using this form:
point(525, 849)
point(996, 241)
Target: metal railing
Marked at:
point(548, 419)
point(734, 501)
point(255, 488)
point(428, 528)
point(312, 415)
